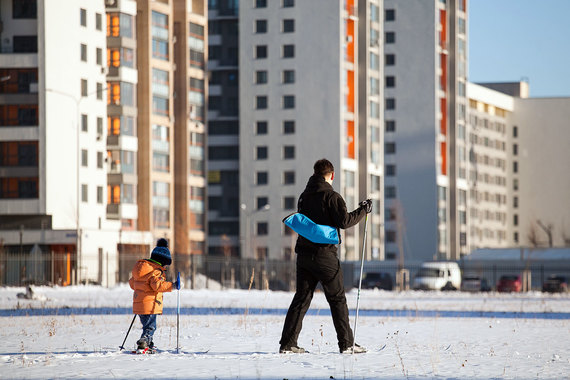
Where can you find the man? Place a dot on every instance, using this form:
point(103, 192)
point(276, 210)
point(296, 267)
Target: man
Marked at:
point(319, 262)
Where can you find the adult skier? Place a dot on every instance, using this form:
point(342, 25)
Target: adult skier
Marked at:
point(319, 262)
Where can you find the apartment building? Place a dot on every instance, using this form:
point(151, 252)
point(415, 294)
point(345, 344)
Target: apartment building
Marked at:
point(223, 129)
point(537, 144)
point(425, 66)
point(53, 137)
point(191, 88)
point(489, 194)
point(300, 101)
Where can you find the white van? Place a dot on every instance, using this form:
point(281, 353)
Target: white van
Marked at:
point(440, 275)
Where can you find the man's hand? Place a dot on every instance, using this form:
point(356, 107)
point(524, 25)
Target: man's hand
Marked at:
point(366, 205)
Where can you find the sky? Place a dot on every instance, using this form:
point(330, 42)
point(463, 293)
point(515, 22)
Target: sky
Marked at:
point(514, 39)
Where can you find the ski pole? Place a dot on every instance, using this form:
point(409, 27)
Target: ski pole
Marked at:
point(360, 279)
point(178, 316)
point(128, 331)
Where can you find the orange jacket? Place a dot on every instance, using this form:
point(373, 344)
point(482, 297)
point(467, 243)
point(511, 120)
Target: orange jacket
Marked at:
point(149, 283)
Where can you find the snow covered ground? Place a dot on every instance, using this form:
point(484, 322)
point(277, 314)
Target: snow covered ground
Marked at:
point(234, 334)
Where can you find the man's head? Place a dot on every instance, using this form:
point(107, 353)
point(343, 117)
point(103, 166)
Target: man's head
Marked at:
point(324, 168)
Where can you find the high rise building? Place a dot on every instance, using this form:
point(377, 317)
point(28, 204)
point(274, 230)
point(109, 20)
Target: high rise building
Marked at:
point(53, 138)
point(425, 66)
point(487, 214)
point(299, 101)
point(191, 88)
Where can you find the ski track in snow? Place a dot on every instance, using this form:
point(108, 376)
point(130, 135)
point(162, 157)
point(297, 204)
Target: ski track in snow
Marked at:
point(244, 346)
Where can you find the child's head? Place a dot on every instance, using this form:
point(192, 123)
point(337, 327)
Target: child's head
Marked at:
point(161, 253)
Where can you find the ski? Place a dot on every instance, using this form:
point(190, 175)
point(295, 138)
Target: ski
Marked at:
point(145, 351)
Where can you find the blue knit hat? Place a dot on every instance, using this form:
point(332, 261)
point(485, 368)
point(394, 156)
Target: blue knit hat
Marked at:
point(161, 253)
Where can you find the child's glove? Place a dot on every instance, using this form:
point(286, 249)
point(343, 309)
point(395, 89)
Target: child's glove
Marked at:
point(177, 284)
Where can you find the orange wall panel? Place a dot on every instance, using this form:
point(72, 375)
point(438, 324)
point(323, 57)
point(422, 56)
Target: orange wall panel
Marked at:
point(444, 158)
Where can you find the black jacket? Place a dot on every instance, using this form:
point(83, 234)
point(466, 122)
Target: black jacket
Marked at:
point(323, 205)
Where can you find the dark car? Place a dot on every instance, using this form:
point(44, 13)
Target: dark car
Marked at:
point(555, 284)
point(509, 283)
point(376, 280)
point(475, 283)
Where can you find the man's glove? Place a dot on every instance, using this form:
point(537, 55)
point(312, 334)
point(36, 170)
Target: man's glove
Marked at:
point(366, 205)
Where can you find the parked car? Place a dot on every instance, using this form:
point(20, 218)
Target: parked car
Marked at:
point(376, 280)
point(473, 283)
point(441, 275)
point(555, 284)
point(509, 283)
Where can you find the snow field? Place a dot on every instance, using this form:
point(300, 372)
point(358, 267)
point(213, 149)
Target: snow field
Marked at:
point(244, 346)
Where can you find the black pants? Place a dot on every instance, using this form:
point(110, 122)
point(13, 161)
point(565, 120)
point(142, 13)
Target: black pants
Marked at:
point(323, 267)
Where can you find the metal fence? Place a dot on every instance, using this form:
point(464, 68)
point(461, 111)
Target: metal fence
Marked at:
point(215, 272)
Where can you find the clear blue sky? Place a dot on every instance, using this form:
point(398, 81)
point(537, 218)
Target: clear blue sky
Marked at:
point(514, 39)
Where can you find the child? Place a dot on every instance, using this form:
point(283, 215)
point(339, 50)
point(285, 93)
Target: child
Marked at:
point(149, 283)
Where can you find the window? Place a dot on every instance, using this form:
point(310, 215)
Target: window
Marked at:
point(99, 56)
point(515, 149)
point(98, 21)
point(261, 51)
point(159, 36)
point(516, 237)
point(124, 125)
point(99, 160)
point(261, 102)
point(24, 9)
point(390, 236)
point(288, 51)
point(288, 101)
point(261, 202)
point(261, 153)
point(390, 59)
point(84, 122)
point(121, 93)
point(374, 86)
point(288, 26)
point(261, 128)
point(262, 228)
point(99, 127)
point(390, 170)
point(83, 87)
point(120, 57)
point(288, 3)
point(390, 148)
point(515, 202)
point(120, 25)
point(83, 17)
point(25, 44)
point(390, 191)
point(374, 61)
point(390, 37)
point(390, 125)
point(288, 203)
point(390, 81)
point(374, 110)
point(515, 167)
point(288, 152)
point(99, 91)
point(390, 103)
point(289, 178)
point(288, 76)
point(260, 3)
point(223, 152)
point(99, 194)
point(261, 178)
point(515, 131)
point(260, 26)
point(374, 13)
point(389, 15)
point(288, 127)
point(516, 219)
point(261, 77)
point(161, 204)
point(84, 193)
point(84, 52)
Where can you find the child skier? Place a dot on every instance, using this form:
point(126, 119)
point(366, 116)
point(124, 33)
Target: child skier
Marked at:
point(148, 282)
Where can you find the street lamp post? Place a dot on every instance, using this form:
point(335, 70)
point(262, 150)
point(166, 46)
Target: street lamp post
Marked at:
point(248, 221)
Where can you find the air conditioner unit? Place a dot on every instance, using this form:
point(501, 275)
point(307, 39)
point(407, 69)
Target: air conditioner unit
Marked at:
point(104, 70)
point(348, 39)
point(110, 3)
